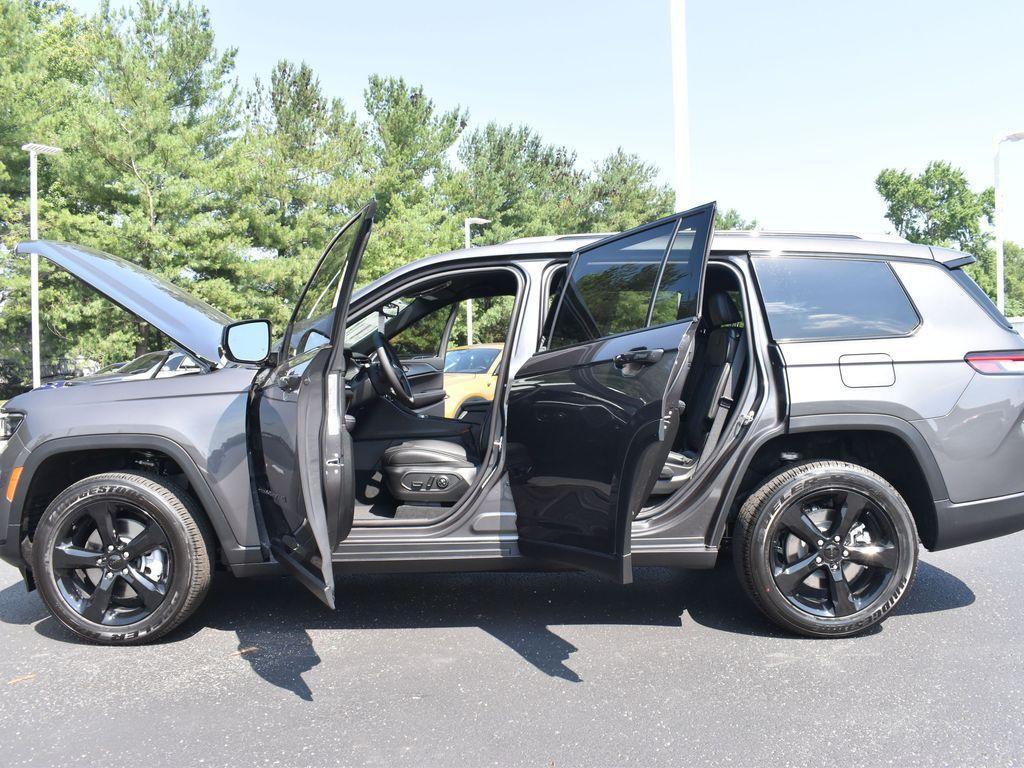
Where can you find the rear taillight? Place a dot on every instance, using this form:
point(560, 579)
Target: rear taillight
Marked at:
point(998, 363)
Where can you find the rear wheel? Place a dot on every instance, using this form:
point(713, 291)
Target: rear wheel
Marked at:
point(826, 549)
point(122, 558)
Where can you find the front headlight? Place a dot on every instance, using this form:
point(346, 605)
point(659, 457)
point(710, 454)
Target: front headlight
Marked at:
point(9, 423)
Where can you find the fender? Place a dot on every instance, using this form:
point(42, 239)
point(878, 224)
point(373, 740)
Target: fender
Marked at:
point(876, 422)
point(234, 553)
point(834, 422)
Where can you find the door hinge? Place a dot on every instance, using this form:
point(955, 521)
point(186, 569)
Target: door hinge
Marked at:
point(747, 419)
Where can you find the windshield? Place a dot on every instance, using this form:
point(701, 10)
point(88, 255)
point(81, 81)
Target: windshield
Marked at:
point(143, 363)
point(470, 360)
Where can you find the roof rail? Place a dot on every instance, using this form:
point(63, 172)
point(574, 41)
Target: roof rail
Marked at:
point(883, 238)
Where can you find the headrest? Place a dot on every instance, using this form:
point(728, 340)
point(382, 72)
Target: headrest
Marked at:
point(722, 310)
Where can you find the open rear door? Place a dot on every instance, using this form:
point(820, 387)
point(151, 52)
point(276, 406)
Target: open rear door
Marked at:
point(301, 450)
point(592, 416)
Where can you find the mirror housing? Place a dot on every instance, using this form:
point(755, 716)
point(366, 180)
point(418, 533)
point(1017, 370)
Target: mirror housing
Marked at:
point(246, 342)
point(391, 309)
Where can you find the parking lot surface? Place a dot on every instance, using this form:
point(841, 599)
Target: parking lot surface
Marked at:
point(528, 669)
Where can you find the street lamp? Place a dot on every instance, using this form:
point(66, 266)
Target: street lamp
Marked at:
point(680, 102)
point(33, 234)
point(467, 225)
point(1000, 275)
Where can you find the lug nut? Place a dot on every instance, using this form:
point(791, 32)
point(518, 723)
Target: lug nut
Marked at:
point(835, 539)
point(124, 571)
point(820, 542)
point(818, 560)
point(834, 567)
point(110, 547)
point(846, 553)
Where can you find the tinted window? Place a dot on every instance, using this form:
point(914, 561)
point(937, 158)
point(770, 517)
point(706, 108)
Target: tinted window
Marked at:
point(980, 297)
point(314, 316)
point(680, 284)
point(811, 298)
point(610, 287)
point(424, 337)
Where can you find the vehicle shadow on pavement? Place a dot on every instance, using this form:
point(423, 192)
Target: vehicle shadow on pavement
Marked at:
point(518, 609)
point(272, 617)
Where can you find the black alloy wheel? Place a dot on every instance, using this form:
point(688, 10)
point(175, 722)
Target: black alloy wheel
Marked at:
point(834, 553)
point(112, 562)
point(826, 548)
point(122, 558)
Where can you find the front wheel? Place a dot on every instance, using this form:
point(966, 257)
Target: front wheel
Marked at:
point(826, 549)
point(122, 558)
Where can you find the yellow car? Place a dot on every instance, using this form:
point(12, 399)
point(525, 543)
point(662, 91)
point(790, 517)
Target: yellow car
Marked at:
point(469, 374)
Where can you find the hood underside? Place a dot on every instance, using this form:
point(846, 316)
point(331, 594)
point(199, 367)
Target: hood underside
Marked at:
point(189, 322)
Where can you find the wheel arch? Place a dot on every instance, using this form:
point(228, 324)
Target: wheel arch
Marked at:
point(55, 464)
point(887, 445)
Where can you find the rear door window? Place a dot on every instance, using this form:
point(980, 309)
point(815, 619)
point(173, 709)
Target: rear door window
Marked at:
point(815, 299)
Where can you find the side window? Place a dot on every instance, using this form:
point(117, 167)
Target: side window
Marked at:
point(813, 299)
point(423, 337)
point(610, 287)
point(679, 290)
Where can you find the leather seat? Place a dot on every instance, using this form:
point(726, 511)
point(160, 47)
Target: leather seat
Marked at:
point(428, 471)
point(712, 369)
point(439, 452)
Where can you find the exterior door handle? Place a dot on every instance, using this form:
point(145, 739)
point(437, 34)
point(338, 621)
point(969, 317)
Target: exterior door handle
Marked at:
point(642, 356)
point(289, 382)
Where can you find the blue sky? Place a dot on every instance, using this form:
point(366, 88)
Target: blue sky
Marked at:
point(794, 106)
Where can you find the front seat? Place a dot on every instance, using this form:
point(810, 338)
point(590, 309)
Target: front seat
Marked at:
point(713, 369)
point(426, 471)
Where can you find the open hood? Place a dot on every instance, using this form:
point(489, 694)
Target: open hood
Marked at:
point(189, 322)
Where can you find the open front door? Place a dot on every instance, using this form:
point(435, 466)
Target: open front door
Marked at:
point(302, 455)
point(592, 416)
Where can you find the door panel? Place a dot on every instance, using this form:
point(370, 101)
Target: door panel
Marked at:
point(300, 447)
point(591, 423)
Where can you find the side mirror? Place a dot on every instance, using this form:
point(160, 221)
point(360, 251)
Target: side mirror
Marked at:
point(391, 309)
point(247, 342)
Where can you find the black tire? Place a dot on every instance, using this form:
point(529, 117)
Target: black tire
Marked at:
point(797, 577)
point(136, 599)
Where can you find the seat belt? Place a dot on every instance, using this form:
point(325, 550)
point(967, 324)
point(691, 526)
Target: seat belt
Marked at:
point(725, 402)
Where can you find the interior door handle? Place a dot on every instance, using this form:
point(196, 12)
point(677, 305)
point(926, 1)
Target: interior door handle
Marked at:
point(642, 356)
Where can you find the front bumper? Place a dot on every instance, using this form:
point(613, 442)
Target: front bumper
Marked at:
point(968, 522)
point(14, 455)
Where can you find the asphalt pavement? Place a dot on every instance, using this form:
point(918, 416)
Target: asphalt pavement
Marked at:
point(528, 669)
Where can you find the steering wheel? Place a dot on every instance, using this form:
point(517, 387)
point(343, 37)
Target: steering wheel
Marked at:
point(391, 367)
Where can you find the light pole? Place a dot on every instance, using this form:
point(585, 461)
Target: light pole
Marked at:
point(33, 234)
point(1000, 268)
point(467, 225)
point(680, 103)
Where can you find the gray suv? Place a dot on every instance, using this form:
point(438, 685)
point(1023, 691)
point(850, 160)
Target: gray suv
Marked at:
point(818, 404)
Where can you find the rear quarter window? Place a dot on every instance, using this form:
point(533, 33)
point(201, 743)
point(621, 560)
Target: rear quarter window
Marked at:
point(980, 297)
point(821, 299)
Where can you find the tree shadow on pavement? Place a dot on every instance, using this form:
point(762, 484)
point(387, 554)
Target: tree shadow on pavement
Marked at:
point(272, 617)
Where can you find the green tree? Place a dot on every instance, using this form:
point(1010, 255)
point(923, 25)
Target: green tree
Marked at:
point(298, 172)
point(623, 192)
point(40, 62)
point(523, 185)
point(233, 196)
point(938, 207)
point(731, 219)
point(410, 139)
point(147, 165)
